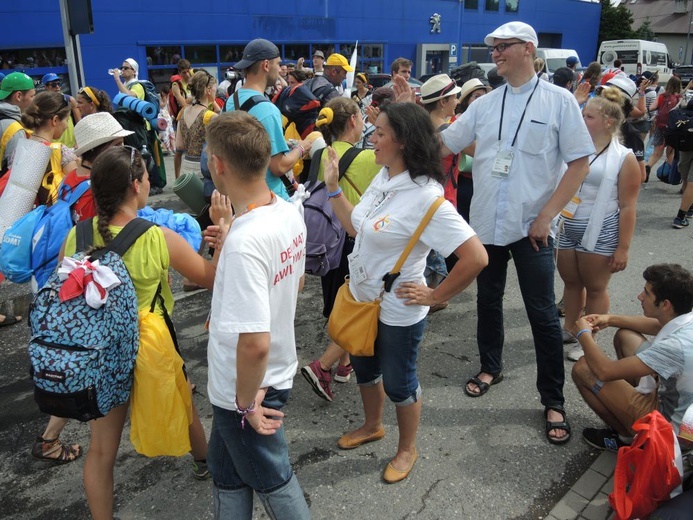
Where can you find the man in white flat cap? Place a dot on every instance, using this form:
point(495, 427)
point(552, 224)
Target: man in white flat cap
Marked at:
point(524, 133)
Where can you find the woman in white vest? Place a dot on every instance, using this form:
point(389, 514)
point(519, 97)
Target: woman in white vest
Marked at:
point(596, 227)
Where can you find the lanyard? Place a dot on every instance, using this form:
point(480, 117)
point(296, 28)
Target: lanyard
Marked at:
point(522, 117)
point(595, 158)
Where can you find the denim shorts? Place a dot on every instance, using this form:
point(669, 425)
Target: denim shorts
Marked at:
point(394, 362)
point(239, 457)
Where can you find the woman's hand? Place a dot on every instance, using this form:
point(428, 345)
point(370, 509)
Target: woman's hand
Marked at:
point(331, 173)
point(216, 235)
point(403, 92)
point(619, 260)
point(219, 208)
point(415, 294)
point(372, 114)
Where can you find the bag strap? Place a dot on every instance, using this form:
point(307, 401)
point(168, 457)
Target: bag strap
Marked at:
point(390, 277)
point(84, 234)
point(8, 134)
point(120, 244)
point(73, 193)
point(344, 163)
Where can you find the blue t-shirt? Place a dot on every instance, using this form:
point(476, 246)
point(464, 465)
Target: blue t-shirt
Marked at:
point(271, 119)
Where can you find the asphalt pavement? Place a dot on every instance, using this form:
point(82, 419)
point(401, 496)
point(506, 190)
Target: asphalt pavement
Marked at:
point(483, 458)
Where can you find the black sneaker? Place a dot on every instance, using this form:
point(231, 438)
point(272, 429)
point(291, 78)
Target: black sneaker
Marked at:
point(603, 439)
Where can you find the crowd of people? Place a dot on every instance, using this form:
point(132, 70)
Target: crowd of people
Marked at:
point(543, 171)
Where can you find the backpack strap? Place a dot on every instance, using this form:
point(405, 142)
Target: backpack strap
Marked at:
point(344, 163)
point(8, 134)
point(84, 234)
point(72, 195)
point(315, 166)
point(124, 240)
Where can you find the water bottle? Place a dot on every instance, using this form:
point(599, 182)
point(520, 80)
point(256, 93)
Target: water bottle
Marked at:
point(113, 72)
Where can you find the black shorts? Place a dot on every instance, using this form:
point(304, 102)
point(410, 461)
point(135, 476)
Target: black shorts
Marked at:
point(635, 142)
point(334, 279)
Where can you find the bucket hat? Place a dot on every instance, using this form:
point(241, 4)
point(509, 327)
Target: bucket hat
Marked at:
point(97, 129)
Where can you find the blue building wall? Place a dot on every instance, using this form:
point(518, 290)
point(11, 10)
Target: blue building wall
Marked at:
point(127, 27)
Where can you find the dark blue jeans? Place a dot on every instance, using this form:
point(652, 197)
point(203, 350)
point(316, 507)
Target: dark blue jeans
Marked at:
point(535, 273)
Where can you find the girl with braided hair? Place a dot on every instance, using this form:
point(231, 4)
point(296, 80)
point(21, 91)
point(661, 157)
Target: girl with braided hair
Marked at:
point(120, 184)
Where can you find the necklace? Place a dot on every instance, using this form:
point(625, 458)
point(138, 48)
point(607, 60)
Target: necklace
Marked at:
point(41, 138)
point(253, 206)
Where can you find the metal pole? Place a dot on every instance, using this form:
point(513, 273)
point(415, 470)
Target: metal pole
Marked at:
point(73, 53)
point(688, 34)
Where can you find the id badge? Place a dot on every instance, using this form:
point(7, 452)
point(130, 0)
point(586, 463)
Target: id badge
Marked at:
point(571, 207)
point(357, 271)
point(501, 166)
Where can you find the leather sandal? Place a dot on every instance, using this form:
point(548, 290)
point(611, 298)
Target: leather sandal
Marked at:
point(556, 425)
point(53, 450)
point(482, 385)
point(391, 475)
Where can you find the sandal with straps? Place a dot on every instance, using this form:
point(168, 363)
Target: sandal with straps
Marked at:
point(556, 425)
point(53, 450)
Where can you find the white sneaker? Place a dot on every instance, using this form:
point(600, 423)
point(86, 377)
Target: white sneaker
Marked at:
point(575, 353)
point(568, 337)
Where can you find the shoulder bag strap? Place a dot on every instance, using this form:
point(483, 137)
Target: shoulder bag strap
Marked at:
point(390, 277)
point(344, 164)
point(127, 236)
point(315, 166)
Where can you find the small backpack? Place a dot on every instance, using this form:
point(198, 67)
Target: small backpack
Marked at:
point(668, 172)
point(325, 235)
point(322, 89)
point(150, 94)
point(300, 106)
point(670, 101)
point(679, 131)
point(648, 472)
point(15, 252)
point(82, 357)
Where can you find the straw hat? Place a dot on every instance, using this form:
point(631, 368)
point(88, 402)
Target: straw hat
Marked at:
point(472, 85)
point(97, 129)
point(438, 87)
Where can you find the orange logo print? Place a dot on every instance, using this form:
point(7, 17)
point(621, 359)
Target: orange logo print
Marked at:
point(381, 223)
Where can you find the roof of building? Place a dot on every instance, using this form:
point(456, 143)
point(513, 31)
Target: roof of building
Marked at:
point(665, 16)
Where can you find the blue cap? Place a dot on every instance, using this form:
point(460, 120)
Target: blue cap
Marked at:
point(51, 76)
point(2, 76)
point(571, 60)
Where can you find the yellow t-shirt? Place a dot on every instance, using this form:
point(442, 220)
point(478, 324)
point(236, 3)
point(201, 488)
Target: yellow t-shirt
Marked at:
point(138, 90)
point(361, 171)
point(147, 262)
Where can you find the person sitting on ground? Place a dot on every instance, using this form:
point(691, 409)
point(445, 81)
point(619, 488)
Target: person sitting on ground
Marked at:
point(609, 387)
point(91, 100)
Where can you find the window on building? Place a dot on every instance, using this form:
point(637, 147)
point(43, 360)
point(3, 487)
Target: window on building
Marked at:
point(163, 55)
point(512, 6)
point(201, 53)
point(492, 5)
point(294, 51)
point(472, 5)
point(230, 53)
point(476, 52)
point(371, 58)
point(23, 59)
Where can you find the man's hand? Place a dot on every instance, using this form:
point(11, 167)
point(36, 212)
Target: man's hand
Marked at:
point(582, 92)
point(265, 421)
point(597, 322)
point(539, 232)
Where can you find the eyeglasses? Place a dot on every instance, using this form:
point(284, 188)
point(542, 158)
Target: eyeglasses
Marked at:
point(126, 68)
point(53, 84)
point(502, 46)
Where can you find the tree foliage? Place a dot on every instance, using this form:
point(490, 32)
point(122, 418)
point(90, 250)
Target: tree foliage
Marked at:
point(615, 23)
point(645, 31)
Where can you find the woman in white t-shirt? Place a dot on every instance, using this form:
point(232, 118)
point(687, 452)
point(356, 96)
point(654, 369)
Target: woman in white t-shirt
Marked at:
point(596, 228)
point(390, 210)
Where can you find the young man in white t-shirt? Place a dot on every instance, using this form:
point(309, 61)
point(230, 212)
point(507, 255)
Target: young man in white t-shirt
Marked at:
point(252, 350)
point(607, 385)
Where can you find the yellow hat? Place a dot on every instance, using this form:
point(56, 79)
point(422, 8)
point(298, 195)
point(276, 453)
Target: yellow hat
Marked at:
point(337, 60)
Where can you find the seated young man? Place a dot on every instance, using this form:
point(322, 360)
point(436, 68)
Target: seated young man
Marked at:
point(608, 385)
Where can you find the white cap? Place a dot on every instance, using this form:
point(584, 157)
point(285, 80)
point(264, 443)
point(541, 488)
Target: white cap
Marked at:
point(623, 83)
point(519, 30)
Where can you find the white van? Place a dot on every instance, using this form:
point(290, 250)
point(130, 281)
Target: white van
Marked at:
point(555, 58)
point(636, 57)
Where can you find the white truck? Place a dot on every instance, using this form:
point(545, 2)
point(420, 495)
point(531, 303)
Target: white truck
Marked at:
point(636, 57)
point(555, 58)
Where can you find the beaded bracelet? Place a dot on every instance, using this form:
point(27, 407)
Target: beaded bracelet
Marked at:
point(303, 150)
point(334, 194)
point(577, 336)
point(250, 410)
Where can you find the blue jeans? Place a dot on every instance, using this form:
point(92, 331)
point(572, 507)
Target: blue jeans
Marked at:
point(535, 273)
point(242, 461)
point(394, 362)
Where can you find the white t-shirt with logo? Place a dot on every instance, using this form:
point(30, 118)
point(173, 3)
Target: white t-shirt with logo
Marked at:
point(385, 219)
point(255, 290)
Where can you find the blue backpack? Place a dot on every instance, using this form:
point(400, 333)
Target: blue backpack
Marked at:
point(51, 231)
point(31, 245)
point(82, 358)
point(15, 251)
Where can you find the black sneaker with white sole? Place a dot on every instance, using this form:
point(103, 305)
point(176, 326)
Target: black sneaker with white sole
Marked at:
point(603, 439)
